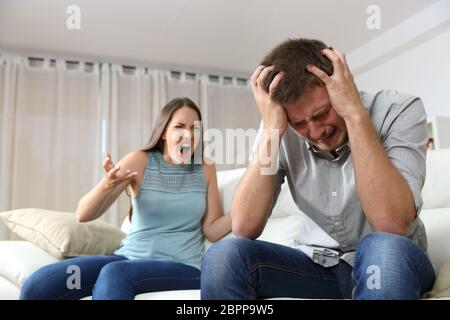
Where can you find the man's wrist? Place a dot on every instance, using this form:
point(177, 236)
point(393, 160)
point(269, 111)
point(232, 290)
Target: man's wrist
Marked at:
point(360, 116)
point(271, 136)
point(266, 154)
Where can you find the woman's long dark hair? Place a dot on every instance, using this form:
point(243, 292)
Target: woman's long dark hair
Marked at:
point(156, 142)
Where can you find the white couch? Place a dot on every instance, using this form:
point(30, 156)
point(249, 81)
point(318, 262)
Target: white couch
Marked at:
point(18, 259)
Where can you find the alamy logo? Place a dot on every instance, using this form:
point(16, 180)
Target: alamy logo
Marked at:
point(73, 22)
point(74, 280)
point(374, 280)
point(374, 20)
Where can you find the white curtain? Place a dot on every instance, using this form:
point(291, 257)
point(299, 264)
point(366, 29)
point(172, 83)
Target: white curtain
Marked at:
point(58, 119)
point(49, 134)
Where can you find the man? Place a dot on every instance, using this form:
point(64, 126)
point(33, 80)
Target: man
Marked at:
point(355, 165)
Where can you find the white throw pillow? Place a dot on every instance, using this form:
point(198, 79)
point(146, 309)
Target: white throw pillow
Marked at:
point(228, 181)
point(19, 259)
point(282, 230)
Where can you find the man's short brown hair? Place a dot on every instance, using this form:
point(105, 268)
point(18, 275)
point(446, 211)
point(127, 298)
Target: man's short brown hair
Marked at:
point(291, 57)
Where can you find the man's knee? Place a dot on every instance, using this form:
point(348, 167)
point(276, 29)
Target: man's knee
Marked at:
point(225, 254)
point(382, 244)
point(385, 262)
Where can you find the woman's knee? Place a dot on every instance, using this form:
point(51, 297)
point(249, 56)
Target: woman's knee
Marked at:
point(42, 283)
point(113, 270)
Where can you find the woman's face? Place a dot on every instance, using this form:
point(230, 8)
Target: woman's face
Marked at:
point(181, 136)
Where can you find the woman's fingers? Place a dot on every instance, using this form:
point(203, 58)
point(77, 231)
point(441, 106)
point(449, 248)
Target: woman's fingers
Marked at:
point(107, 164)
point(112, 173)
point(129, 176)
point(116, 179)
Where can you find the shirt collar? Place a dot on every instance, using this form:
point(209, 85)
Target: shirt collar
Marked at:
point(335, 155)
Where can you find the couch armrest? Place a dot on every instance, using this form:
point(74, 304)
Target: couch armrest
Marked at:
point(19, 259)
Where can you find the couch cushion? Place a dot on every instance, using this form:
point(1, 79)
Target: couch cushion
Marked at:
point(435, 191)
point(228, 181)
point(8, 290)
point(282, 230)
point(166, 295)
point(19, 259)
point(437, 226)
point(60, 233)
point(441, 287)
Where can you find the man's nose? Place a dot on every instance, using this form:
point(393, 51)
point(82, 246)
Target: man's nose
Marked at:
point(316, 132)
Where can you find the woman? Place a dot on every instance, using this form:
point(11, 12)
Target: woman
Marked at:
point(174, 203)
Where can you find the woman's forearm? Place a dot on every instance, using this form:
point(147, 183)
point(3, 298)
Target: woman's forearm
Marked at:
point(219, 228)
point(93, 204)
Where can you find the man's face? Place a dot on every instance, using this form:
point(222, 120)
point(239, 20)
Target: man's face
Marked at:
point(313, 117)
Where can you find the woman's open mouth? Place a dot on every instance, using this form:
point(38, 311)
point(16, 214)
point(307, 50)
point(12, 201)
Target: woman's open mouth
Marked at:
point(184, 150)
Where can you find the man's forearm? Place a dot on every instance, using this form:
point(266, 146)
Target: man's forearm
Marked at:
point(253, 197)
point(384, 194)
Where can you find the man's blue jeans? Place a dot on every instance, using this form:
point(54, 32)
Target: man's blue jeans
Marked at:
point(111, 277)
point(387, 266)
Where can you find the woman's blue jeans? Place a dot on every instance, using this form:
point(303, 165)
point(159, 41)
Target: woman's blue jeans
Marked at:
point(111, 277)
point(387, 266)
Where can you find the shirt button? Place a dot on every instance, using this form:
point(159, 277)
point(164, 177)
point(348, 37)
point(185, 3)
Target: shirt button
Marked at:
point(333, 164)
point(337, 223)
point(334, 194)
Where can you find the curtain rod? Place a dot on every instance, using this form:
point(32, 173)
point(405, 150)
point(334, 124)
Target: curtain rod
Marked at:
point(70, 58)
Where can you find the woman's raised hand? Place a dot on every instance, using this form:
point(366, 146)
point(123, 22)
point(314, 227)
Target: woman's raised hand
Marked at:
point(113, 177)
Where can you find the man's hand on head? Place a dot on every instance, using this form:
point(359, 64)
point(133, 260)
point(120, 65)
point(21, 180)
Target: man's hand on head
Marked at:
point(273, 114)
point(341, 87)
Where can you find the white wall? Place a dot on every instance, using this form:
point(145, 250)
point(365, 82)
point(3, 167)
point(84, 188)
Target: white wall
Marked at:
point(423, 71)
point(413, 58)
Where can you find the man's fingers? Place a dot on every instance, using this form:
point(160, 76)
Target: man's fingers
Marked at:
point(276, 80)
point(318, 73)
point(263, 75)
point(343, 59)
point(330, 54)
point(255, 76)
point(336, 59)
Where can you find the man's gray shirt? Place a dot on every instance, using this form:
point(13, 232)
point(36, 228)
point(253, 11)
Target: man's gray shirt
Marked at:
point(325, 190)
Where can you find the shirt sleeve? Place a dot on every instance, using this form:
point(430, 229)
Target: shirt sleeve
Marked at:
point(280, 174)
point(405, 145)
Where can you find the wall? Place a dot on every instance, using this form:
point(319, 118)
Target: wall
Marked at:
point(413, 57)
